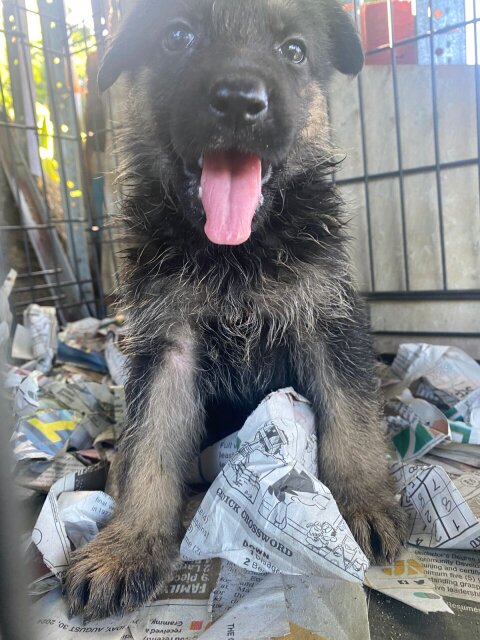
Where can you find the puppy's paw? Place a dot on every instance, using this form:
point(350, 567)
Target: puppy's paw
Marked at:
point(381, 530)
point(117, 573)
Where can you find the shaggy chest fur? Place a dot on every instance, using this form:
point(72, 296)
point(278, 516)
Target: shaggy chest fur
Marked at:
point(248, 306)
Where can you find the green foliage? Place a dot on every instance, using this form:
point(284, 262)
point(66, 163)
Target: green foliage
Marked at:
point(81, 41)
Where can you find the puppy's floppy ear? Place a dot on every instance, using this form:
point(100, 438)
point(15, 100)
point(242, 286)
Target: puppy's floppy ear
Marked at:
point(113, 63)
point(127, 48)
point(346, 47)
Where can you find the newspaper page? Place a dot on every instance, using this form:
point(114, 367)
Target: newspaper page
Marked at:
point(455, 575)
point(466, 423)
point(185, 612)
point(267, 511)
point(406, 581)
point(261, 614)
point(437, 403)
point(43, 327)
point(203, 600)
point(212, 460)
point(456, 578)
point(25, 401)
point(443, 513)
point(51, 622)
point(181, 611)
point(41, 475)
point(324, 608)
point(446, 368)
point(233, 584)
point(416, 426)
point(210, 600)
point(81, 329)
point(45, 434)
point(75, 508)
point(56, 414)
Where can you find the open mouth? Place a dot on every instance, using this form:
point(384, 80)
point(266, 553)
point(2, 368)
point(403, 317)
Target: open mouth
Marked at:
point(231, 193)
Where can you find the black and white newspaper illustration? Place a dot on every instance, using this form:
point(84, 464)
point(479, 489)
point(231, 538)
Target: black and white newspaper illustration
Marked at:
point(267, 511)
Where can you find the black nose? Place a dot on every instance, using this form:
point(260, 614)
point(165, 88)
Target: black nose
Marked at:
point(242, 102)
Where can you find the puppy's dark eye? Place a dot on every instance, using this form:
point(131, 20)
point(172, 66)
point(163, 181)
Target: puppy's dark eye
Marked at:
point(178, 37)
point(294, 50)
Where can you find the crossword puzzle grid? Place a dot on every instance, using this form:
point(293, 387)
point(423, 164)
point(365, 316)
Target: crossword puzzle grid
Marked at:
point(443, 516)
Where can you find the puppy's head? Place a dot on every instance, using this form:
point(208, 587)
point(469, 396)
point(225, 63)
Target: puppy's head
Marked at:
point(229, 96)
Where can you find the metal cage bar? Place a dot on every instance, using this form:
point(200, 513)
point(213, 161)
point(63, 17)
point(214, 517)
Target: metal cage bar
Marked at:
point(394, 44)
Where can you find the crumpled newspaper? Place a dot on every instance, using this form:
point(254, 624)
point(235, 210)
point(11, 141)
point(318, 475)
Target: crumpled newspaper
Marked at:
point(267, 510)
point(196, 604)
point(435, 427)
point(25, 387)
point(209, 600)
point(73, 513)
point(206, 599)
point(64, 422)
point(93, 344)
point(46, 434)
point(444, 513)
point(89, 343)
point(287, 520)
point(41, 322)
point(416, 426)
point(86, 328)
point(435, 404)
point(465, 421)
point(405, 580)
point(448, 369)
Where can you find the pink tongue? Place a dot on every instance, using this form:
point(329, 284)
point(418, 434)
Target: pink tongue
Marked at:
point(231, 192)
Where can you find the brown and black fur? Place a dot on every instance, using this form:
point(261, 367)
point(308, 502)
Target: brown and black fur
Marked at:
point(214, 329)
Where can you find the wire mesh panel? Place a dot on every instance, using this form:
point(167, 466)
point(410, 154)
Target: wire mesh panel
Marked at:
point(53, 149)
point(410, 126)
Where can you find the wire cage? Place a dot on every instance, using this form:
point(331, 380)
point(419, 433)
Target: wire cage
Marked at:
point(57, 145)
point(414, 169)
point(410, 125)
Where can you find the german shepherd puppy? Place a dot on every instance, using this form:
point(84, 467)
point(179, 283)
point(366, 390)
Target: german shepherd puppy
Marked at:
point(237, 281)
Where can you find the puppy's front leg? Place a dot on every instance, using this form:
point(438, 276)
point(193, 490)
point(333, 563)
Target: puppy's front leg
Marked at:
point(337, 375)
point(125, 564)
